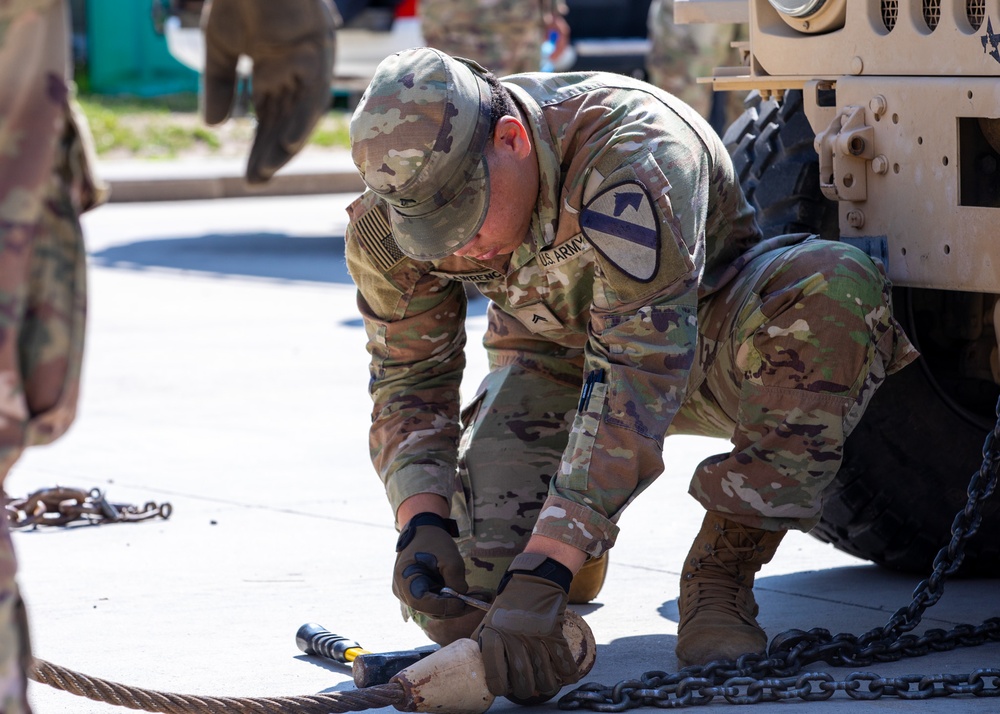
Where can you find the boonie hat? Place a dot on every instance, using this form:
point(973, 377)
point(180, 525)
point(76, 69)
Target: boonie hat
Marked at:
point(418, 137)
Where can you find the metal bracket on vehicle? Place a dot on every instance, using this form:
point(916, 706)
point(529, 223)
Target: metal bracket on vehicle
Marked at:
point(844, 150)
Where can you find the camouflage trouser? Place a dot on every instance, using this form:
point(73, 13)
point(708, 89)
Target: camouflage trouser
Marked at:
point(798, 345)
point(787, 404)
point(44, 296)
point(504, 36)
point(15, 647)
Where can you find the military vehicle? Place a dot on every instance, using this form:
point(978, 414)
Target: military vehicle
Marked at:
point(877, 122)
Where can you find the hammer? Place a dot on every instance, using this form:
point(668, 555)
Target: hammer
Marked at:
point(368, 668)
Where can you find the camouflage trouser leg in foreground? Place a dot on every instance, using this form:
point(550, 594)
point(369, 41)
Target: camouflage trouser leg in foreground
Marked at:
point(45, 182)
point(15, 648)
point(42, 376)
point(801, 341)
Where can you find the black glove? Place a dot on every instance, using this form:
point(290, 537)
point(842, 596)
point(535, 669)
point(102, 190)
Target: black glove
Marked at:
point(525, 653)
point(427, 559)
point(292, 46)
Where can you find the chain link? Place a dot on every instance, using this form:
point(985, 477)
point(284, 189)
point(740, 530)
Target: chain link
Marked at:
point(754, 678)
point(60, 506)
point(809, 687)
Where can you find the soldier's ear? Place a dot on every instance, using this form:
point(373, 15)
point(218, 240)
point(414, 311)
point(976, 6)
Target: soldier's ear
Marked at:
point(512, 135)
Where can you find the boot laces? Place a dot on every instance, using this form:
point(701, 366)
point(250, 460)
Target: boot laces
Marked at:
point(718, 579)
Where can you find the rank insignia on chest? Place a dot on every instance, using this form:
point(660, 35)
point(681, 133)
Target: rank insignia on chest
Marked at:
point(622, 225)
point(538, 318)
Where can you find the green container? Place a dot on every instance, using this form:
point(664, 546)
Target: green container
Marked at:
point(127, 56)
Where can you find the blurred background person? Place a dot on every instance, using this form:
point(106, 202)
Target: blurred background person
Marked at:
point(46, 182)
point(504, 36)
point(679, 54)
point(292, 45)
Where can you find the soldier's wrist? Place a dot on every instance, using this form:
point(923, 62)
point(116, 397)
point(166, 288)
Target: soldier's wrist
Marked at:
point(427, 518)
point(421, 503)
point(448, 525)
point(540, 566)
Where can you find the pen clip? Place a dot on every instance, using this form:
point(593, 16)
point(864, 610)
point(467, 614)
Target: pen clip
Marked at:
point(595, 377)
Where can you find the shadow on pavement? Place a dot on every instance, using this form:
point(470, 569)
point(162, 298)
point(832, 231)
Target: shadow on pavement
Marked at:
point(326, 664)
point(259, 255)
point(274, 256)
point(636, 654)
point(858, 598)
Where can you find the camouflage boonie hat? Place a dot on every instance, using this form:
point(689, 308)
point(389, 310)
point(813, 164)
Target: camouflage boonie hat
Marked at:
point(418, 137)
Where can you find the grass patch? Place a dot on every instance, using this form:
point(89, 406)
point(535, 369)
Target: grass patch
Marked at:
point(332, 132)
point(186, 103)
point(164, 127)
point(169, 127)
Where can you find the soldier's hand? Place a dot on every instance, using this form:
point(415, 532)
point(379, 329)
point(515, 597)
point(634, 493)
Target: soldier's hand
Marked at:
point(557, 23)
point(427, 559)
point(525, 653)
point(292, 47)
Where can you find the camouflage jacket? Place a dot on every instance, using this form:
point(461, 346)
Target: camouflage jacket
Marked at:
point(34, 61)
point(639, 216)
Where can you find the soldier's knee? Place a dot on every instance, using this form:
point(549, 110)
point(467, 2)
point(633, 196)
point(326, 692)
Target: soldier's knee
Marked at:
point(847, 275)
point(834, 287)
point(826, 307)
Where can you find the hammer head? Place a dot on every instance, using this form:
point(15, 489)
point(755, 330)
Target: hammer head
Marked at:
point(379, 667)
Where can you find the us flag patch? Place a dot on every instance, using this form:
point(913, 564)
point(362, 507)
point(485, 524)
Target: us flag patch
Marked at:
point(622, 225)
point(375, 234)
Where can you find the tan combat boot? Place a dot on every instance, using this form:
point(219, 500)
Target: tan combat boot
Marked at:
point(717, 607)
point(589, 580)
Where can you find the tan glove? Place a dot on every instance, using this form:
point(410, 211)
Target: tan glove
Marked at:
point(292, 44)
point(525, 653)
point(427, 559)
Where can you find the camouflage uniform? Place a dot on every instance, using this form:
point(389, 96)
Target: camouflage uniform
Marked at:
point(680, 54)
point(642, 302)
point(505, 36)
point(45, 182)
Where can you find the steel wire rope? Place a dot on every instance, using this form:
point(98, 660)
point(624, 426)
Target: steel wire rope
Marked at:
point(150, 700)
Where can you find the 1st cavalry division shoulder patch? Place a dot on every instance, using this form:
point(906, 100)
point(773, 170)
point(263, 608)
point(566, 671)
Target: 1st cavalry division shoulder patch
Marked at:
point(621, 223)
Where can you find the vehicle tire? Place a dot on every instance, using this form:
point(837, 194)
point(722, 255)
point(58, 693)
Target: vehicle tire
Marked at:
point(908, 463)
point(772, 149)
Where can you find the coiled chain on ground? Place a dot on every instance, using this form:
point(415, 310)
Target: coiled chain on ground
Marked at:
point(61, 506)
point(778, 676)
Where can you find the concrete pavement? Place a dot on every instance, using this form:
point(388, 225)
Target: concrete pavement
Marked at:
point(226, 373)
point(313, 171)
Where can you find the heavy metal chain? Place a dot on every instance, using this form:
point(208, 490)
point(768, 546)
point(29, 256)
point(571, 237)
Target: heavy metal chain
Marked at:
point(774, 676)
point(60, 506)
